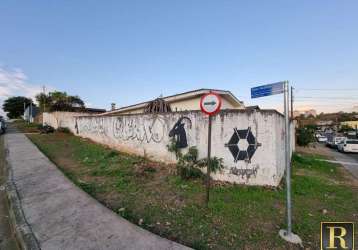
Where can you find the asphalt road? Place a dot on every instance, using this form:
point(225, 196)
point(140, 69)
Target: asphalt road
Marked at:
point(348, 160)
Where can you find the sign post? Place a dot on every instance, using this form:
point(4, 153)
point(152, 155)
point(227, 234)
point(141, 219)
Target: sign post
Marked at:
point(273, 89)
point(210, 104)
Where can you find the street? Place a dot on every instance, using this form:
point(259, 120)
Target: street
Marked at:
point(348, 160)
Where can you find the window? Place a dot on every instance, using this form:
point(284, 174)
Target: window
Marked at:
point(352, 142)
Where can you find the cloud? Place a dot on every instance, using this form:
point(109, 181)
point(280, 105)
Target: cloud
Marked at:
point(14, 82)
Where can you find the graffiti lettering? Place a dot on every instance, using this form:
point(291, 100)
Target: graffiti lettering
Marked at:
point(151, 130)
point(244, 172)
point(92, 126)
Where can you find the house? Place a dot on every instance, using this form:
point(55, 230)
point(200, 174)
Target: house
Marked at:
point(352, 124)
point(184, 101)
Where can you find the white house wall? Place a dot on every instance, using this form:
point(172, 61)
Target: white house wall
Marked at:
point(148, 135)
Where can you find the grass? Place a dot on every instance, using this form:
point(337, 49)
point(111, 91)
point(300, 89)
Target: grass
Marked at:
point(238, 217)
point(26, 127)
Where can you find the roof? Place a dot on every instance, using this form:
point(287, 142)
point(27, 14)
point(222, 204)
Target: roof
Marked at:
point(181, 96)
point(256, 107)
point(89, 110)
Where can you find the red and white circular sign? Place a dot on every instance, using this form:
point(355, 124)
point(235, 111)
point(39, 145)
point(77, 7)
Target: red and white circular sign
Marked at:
point(210, 103)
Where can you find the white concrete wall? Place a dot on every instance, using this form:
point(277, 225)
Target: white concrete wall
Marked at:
point(147, 135)
point(62, 119)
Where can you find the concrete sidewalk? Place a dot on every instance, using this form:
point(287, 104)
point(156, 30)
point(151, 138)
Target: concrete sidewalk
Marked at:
point(58, 215)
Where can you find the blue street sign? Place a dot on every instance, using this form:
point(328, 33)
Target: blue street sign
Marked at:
point(266, 90)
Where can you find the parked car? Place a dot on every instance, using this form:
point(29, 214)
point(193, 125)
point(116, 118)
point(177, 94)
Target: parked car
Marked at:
point(321, 138)
point(2, 125)
point(348, 146)
point(333, 141)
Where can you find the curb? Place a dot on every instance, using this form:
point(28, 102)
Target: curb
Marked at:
point(23, 232)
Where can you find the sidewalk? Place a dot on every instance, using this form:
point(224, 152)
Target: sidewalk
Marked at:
point(7, 237)
point(61, 216)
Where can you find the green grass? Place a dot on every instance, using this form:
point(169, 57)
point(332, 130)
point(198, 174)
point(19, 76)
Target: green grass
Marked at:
point(237, 217)
point(26, 127)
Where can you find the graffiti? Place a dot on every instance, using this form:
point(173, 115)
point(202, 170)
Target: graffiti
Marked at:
point(76, 127)
point(178, 132)
point(92, 126)
point(150, 130)
point(242, 144)
point(244, 172)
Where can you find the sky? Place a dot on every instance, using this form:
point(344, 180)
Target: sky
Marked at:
point(131, 51)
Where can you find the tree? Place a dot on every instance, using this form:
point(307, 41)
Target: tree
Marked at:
point(44, 101)
point(14, 106)
point(59, 101)
point(345, 128)
point(305, 135)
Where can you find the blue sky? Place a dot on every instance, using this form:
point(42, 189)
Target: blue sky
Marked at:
point(131, 51)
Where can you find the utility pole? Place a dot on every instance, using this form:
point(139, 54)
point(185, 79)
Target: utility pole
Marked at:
point(292, 103)
point(30, 112)
point(44, 101)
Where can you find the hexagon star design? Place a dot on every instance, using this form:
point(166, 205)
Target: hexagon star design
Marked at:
point(242, 144)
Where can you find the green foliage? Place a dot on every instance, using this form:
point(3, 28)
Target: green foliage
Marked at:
point(64, 130)
point(315, 164)
point(305, 135)
point(14, 106)
point(215, 164)
point(188, 165)
point(59, 101)
point(345, 128)
point(172, 147)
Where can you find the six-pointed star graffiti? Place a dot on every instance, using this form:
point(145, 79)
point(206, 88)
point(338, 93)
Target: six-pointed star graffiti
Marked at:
point(242, 144)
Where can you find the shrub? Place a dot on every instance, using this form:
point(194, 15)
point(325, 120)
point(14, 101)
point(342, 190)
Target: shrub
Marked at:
point(305, 136)
point(188, 165)
point(47, 129)
point(64, 130)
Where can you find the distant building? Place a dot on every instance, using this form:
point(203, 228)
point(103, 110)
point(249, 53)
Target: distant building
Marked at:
point(352, 124)
point(325, 125)
point(305, 113)
point(184, 101)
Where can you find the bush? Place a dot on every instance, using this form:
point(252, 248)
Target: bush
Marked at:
point(64, 130)
point(305, 136)
point(47, 129)
point(188, 165)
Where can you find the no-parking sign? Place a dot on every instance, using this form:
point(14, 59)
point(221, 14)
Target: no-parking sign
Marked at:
point(210, 103)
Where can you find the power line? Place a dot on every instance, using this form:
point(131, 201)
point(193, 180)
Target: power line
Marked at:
point(328, 98)
point(340, 89)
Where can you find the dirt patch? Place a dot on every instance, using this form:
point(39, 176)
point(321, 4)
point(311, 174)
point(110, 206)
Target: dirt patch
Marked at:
point(315, 149)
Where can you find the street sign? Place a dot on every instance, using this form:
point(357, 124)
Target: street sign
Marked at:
point(266, 90)
point(210, 103)
point(273, 89)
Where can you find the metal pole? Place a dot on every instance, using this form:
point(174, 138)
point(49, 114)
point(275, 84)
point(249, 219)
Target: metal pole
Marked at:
point(208, 163)
point(30, 111)
point(292, 103)
point(287, 160)
point(44, 101)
